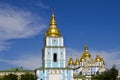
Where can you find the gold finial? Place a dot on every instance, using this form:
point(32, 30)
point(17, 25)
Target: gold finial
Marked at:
point(86, 47)
point(53, 21)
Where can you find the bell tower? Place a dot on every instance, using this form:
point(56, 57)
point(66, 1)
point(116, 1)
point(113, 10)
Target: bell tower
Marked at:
point(54, 52)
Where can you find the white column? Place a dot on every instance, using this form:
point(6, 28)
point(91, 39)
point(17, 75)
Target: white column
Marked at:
point(38, 74)
point(45, 57)
point(51, 56)
point(62, 42)
point(72, 74)
point(64, 53)
point(65, 75)
point(50, 41)
point(59, 56)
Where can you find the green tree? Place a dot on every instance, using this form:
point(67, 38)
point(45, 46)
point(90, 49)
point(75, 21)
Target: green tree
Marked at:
point(1, 78)
point(10, 77)
point(110, 74)
point(28, 76)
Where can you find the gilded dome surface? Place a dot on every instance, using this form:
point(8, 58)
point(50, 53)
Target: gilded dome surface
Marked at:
point(71, 62)
point(102, 61)
point(82, 59)
point(53, 30)
point(77, 62)
point(86, 54)
point(98, 58)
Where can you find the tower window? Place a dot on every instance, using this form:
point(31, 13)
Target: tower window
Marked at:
point(55, 57)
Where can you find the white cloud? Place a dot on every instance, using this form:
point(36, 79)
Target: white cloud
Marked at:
point(26, 61)
point(4, 45)
point(16, 23)
point(29, 62)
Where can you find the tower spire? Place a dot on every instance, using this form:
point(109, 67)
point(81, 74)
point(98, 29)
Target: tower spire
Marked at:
point(53, 30)
point(53, 21)
point(86, 48)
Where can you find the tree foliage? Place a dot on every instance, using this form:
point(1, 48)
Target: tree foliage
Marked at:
point(1, 78)
point(110, 74)
point(28, 76)
point(10, 77)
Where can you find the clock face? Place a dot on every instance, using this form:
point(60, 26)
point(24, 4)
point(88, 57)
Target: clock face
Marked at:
point(54, 40)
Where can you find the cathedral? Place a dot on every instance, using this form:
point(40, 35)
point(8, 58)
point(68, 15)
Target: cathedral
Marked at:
point(54, 63)
point(86, 65)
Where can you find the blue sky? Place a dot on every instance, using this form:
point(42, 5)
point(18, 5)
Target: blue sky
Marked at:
point(23, 24)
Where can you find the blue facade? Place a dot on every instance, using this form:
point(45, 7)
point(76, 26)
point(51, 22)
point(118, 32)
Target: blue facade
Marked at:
point(54, 56)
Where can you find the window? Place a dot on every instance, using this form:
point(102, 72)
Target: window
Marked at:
point(55, 57)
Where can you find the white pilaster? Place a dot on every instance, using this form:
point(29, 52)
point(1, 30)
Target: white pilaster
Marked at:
point(45, 75)
point(59, 54)
point(65, 75)
point(51, 57)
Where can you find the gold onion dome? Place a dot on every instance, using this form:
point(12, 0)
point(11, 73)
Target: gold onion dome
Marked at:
point(77, 62)
point(86, 53)
point(82, 59)
point(53, 30)
point(102, 61)
point(71, 62)
point(98, 58)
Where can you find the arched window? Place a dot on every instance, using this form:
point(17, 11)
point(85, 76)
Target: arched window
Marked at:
point(55, 57)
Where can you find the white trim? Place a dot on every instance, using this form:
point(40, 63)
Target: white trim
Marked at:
point(51, 56)
point(59, 54)
point(58, 44)
point(64, 57)
point(38, 74)
point(45, 75)
point(50, 41)
point(65, 75)
point(62, 42)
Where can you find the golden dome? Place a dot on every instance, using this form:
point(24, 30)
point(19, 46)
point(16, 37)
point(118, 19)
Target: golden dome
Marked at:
point(77, 62)
point(71, 62)
point(86, 53)
point(98, 58)
point(53, 30)
point(102, 61)
point(82, 59)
